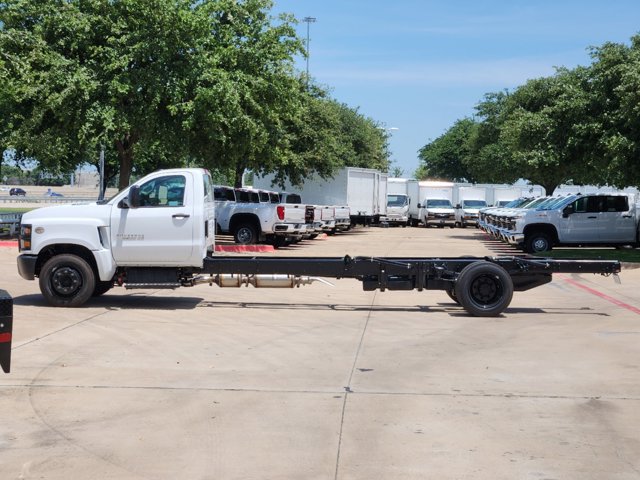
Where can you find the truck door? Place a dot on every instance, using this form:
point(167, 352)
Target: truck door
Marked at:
point(617, 219)
point(160, 230)
point(582, 224)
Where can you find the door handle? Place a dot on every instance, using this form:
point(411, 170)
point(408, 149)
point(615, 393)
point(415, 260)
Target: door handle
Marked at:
point(180, 216)
point(626, 216)
point(592, 217)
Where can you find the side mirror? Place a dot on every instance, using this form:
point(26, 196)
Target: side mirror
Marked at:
point(568, 210)
point(458, 206)
point(419, 206)
point(132, 200)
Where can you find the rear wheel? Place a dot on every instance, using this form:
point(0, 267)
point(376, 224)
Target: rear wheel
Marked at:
point(452, 295)
point(245, 234)
point(484, 289)
point(67, 281)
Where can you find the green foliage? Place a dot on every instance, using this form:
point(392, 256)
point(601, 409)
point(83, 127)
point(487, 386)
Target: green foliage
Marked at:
point(328, 135)
point(580, 125)
point(164, 83)
point(448, 155)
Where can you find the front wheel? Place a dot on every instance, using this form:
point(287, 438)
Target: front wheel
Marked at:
point(67, 281)
point(484, 289)
point(537, 242)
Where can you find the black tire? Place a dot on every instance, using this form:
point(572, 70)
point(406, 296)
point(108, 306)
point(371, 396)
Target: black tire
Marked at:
point(102, 287)
point(279, 242)
point(537, 242)
point(484, 289)
point(245, 234)
point(67, 281)
point(452, 295)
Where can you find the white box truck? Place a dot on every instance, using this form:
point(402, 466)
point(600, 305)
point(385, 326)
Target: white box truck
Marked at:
point(363, 190)
point(470, 200)
point(400, 201)
point(436, 207)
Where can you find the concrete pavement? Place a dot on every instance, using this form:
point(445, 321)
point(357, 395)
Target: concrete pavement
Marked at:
point(326, 382)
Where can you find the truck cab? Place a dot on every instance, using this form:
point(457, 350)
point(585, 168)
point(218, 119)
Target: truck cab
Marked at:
point(438, 212)
point(397, 209)
point(165, 219)
point(467, 212)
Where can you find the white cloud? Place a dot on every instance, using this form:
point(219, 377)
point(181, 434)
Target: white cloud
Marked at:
point(504, 73)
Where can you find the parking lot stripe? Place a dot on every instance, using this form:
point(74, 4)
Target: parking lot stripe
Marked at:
point(604, 296)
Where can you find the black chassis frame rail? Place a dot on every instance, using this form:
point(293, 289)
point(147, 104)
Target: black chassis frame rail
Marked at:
point(402, 273)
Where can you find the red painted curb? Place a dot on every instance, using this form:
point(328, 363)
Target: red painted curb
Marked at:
point(244, 248)
point(9, 243)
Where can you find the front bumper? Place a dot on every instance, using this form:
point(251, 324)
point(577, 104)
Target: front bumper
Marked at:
point(27, 266)
point(394, 219)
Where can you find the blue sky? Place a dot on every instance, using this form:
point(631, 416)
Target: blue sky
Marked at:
point(418, 66)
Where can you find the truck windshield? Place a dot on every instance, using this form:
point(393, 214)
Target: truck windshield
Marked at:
point(438, 204)
point(556, 202)
point(474, 203)
point(396, 200)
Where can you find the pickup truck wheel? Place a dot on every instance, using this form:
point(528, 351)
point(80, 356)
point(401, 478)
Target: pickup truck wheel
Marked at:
point(484, 289)
point(245, 234)
point(67, 281)
point(537, 242)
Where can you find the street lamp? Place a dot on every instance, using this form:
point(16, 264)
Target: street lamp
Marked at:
point(309, 21)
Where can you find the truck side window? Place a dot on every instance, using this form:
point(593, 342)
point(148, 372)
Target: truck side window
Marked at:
point(615, 203)
point(163, 192)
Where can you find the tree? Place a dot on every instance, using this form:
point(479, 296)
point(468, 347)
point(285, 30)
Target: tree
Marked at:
point(490, 159)
point(157, 82)
point(614, 120)
point(447, 156)
point(327, 135)
point(544, 129)
point(248, 94)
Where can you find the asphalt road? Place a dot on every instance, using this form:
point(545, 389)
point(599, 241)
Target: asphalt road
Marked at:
point(326, 382)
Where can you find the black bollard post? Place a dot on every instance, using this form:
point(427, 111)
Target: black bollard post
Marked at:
point(6, 329)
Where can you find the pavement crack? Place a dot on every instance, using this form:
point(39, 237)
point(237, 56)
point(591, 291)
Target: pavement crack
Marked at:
point(347, 388)
point(62, 329)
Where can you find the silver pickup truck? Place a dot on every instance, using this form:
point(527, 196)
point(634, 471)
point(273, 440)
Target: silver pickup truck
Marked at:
point(593, 219)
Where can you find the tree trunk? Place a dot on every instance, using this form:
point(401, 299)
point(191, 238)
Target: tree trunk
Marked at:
point(124, 146)
point(549, 188)
point(239, 173)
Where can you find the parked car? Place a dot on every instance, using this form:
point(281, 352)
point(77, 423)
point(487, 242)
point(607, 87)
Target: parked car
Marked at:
point(17, 192)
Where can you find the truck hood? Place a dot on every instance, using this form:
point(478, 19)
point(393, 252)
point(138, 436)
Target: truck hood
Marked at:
point(70, 213)
point(397, 209)
point(439, 210)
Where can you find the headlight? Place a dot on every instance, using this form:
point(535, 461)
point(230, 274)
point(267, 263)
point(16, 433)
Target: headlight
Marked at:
point(25, 238)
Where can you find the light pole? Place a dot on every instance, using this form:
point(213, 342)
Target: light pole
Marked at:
point(309, 21)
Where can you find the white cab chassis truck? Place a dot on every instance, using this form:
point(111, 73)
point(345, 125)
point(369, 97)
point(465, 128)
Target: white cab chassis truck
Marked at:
point(159, 233)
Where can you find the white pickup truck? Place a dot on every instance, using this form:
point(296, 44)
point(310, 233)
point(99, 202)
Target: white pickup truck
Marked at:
point(253, 216)
point(160, 233)
point(593, 219)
